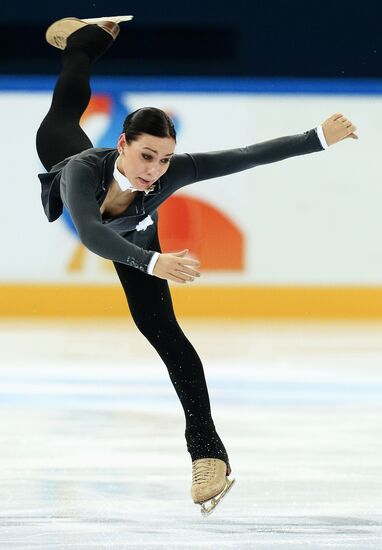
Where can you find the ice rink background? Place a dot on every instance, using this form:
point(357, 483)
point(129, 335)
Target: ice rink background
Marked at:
point(93, 454)
point(92, 449)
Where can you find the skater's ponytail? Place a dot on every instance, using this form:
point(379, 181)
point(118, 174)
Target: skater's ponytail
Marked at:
point(148, 120)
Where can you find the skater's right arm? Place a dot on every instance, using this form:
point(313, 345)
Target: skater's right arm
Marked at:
point(79, 198)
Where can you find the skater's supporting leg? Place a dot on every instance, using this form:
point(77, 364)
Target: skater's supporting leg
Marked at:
point(151, 306)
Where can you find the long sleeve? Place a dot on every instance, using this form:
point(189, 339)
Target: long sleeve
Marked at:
point(79, 198)
point(190, 168)
point(215, 164)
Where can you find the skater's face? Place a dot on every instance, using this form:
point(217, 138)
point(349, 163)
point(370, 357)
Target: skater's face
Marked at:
point(144, 160)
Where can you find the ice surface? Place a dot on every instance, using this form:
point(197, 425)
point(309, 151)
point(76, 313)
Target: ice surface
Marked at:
point(93, 454)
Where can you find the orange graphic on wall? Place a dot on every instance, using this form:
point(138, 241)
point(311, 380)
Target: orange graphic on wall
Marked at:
point(99, 103)
point(186, 222)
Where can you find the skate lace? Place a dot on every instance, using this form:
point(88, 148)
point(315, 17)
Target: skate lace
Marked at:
point(203, 471)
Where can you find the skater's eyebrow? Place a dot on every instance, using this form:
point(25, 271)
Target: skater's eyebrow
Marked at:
point(156, 152)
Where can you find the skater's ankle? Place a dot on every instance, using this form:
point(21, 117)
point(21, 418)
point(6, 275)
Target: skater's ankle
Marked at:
point(91, 40)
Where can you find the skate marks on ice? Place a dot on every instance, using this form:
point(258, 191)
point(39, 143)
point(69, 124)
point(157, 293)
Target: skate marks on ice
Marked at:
point(61, 510)
point(93, 455)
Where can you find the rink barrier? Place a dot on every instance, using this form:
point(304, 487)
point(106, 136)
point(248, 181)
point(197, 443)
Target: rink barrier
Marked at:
point(202, 301)
point(50, 300)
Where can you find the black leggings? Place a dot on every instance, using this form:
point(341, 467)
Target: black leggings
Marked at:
point(149, 299)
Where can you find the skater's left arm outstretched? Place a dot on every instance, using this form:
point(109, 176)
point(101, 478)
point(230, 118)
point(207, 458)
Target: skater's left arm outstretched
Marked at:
point(190, 168)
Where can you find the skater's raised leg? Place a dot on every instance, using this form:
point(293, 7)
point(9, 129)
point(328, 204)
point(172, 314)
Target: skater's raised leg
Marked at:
point(60, 134)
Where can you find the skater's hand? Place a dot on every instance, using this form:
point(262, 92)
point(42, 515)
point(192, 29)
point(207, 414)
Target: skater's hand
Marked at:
point(337, 128)
point(176, 267)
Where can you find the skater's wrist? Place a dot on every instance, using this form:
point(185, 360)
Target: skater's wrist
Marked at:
point(152, 262)
point(321, 136)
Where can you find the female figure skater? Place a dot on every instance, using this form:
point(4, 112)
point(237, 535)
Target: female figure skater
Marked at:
point(112, 196)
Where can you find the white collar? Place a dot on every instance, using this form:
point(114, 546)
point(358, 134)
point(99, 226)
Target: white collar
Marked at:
point(124, 183)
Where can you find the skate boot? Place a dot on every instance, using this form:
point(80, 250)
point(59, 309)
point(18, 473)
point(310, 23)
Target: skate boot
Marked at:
point(210, 483)
point(59, 32)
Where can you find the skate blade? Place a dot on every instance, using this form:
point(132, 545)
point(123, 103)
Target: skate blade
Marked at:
point(113, 18)
point(207, 510)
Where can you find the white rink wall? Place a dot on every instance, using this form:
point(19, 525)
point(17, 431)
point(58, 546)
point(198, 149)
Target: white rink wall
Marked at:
point(308, 220)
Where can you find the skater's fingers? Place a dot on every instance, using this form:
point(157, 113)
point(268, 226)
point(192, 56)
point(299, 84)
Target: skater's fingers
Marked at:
point(190, 261)
point(173, 277)
point(336, 116)
point(188, 270)
point(351, 131)
point(181, 253)
point(183, 276)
